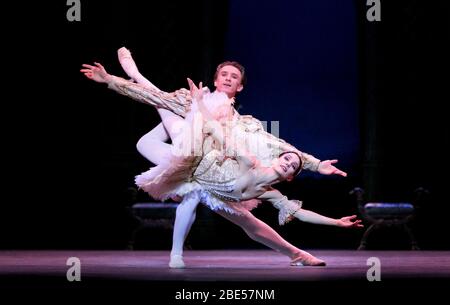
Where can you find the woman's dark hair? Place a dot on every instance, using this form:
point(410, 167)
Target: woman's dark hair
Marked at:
point(297, 171)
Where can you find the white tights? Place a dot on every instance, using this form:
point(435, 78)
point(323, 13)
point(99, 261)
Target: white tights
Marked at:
point(153, 144)
point(261, 232)
point(255, 228)
point(185, 217)
point(153, 147)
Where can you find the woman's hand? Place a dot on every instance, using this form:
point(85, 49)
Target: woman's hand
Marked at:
point(349, 222)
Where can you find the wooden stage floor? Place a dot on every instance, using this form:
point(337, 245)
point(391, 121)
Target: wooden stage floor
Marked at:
point(147, 272)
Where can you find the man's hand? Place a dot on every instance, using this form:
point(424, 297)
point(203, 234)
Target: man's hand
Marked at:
point(326, 167)
point(349, 222)
point(96, 73)
point(196, 92)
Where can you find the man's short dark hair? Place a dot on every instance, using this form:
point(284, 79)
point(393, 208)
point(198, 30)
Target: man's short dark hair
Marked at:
point(237, 66)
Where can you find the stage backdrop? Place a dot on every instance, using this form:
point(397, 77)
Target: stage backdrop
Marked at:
point(301, 59)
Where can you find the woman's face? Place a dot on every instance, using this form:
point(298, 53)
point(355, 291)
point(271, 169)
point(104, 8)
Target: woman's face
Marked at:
point(286, 165)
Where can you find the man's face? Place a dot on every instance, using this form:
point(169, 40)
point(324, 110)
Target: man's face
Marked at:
point(229, 80)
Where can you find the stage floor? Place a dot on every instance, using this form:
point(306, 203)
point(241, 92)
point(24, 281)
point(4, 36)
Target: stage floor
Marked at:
point(262, 269)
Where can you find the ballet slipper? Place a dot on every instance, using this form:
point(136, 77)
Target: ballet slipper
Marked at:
point(304, 258)
point(176, 261)
point(127, 62)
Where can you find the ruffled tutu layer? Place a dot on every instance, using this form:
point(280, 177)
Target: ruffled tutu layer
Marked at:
point(238, 208)
point(169, 179)
point(173, 178)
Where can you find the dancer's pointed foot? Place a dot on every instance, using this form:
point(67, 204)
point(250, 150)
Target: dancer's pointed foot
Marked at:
point(306, 259)
point(127, 62)
point(176, 261)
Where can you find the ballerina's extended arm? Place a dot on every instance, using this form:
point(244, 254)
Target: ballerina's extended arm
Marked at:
point(293, 208)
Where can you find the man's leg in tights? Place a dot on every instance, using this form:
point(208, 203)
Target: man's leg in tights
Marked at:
point(264, 234)
point(152, 145)
point(172, 122)
point(153, 148)
point(185, 217)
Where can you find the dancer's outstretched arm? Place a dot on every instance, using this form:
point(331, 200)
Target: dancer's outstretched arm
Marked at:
point(177, 102)
point(312, 217)
point(293, 208)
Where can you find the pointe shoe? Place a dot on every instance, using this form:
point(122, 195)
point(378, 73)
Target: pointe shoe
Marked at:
point(176, 261)
point(127, 62)
point(123, 53)
point(306, 259)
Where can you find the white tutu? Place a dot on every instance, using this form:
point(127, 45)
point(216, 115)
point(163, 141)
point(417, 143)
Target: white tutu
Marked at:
point(169, 179)
point(230, 207)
